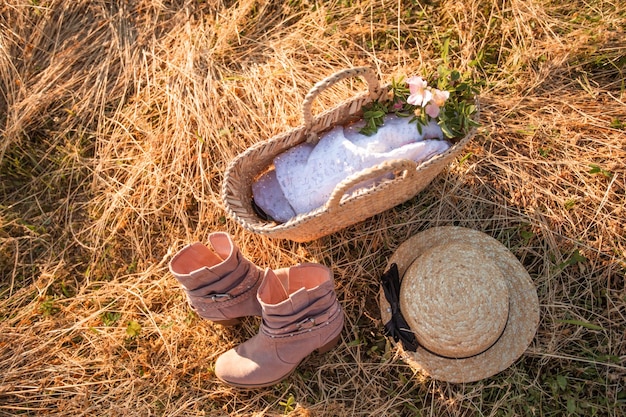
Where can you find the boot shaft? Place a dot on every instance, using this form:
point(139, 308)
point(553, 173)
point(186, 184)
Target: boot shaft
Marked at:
point(220, 267)
point(297, 298)
point(219, 281)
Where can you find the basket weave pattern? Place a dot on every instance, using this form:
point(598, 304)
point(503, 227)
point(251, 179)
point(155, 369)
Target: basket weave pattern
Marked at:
point(341, 210)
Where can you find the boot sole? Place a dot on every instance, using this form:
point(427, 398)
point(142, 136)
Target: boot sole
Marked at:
point(329, 345)
point(321, 350)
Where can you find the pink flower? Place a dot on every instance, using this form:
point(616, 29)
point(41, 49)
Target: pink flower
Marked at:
point(432, 110)
point(440, 97)
point(438, 100)
point(419, 94)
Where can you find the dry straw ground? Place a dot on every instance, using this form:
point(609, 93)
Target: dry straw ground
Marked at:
point(118, 119)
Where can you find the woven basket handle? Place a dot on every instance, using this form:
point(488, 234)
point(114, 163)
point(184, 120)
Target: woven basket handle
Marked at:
point(409, 167)
point(367, 73)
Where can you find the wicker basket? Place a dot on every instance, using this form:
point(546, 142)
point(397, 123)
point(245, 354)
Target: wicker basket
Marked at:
point(342, 209)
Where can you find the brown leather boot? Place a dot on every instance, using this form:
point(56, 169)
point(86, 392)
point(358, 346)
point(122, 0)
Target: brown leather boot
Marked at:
point(300, 314)
point(220, 283)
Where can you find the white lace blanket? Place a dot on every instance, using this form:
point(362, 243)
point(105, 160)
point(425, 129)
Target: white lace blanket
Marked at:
point(305, 175)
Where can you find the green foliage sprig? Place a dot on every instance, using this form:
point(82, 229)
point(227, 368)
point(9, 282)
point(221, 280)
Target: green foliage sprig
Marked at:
point(374, 114)
point(451, 104)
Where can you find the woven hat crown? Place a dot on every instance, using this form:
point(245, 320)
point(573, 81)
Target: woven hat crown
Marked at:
point(455, 300)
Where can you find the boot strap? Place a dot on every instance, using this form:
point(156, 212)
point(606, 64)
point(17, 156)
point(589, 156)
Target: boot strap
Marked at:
point(305, 324)
point(246, 289)
point(251, 277)
point(209, 282)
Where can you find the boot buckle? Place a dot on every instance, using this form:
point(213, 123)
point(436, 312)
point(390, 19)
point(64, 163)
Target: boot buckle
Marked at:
point(220, 297)
point(304, 324)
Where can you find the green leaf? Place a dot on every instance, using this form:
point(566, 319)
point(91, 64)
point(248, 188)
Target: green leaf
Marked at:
point(445, 50)
point(465, 158)
point(67, 291)
point(473, 123)
point(617, 124)
point(133, 329)
point(562, 382)
point(543, 152)
point(571, 405)
point(378, 113)
point(446, 130)
point(109, 317)
point(596, 169)
point(48, 307)
point(584, 324)
point(368, 114)
point(527, 235)
point(289, 404)
point(575, 258)
point(355, 342)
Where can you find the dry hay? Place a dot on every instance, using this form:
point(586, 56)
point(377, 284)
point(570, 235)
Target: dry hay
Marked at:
point(118, 119)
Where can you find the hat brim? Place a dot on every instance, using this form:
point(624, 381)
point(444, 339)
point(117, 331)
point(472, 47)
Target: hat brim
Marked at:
point(523, 316)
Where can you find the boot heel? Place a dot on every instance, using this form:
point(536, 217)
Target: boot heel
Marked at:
point(227, 322)
point(331, 344)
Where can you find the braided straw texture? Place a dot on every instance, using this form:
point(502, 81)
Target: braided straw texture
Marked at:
point(456, 302)
point(341, 210)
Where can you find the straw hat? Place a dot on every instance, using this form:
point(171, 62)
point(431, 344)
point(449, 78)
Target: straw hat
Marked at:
point(468, 301)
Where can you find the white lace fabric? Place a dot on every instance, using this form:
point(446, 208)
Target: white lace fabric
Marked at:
point(305, 176)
